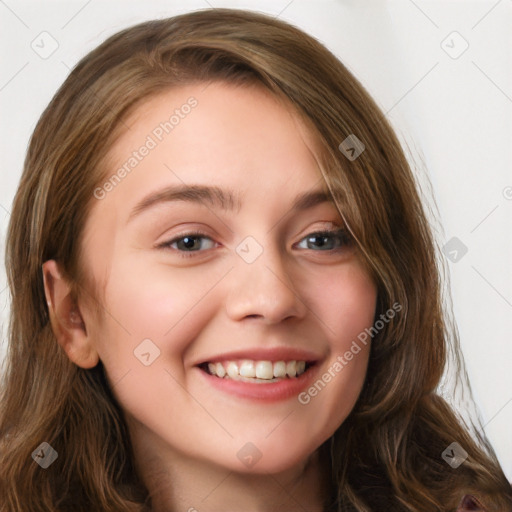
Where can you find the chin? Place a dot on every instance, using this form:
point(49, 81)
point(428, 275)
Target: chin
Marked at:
point(279, 455)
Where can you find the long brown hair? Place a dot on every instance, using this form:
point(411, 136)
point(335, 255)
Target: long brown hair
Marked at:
point(387, 454)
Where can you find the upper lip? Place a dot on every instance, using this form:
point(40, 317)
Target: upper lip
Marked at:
point(264, 354)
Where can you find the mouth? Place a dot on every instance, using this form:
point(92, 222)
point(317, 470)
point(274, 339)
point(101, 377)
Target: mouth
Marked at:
point(257, 371)
point(264, 375)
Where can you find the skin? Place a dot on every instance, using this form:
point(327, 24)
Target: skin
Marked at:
point(186, 434)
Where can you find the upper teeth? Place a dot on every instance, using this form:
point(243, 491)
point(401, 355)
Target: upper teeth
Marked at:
point(266, 370)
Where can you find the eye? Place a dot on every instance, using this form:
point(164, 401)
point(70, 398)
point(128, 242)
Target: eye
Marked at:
point(328, 240)
point(189, 242)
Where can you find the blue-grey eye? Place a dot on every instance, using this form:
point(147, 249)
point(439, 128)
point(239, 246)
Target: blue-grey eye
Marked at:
point(190, 243)
point(325, 240)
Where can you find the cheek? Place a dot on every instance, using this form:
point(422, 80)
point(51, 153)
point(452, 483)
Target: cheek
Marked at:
point(152, 301)
point(346, 304)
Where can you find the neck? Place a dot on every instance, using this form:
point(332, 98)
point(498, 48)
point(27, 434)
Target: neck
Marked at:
point(178, 483)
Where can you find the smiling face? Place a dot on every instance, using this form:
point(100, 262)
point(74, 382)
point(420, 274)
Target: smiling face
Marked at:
point(234, 275)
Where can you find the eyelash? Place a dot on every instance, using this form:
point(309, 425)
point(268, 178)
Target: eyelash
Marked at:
point(341, 233)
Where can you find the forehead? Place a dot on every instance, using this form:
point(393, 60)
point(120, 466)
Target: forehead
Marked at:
point(238, 138)
point(214, 130)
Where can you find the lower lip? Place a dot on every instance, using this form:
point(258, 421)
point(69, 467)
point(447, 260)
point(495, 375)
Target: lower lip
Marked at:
point(268, 392)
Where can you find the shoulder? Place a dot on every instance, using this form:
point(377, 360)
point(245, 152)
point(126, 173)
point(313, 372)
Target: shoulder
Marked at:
point(470, 504)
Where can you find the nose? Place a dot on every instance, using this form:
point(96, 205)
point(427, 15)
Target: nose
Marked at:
point(263, 289)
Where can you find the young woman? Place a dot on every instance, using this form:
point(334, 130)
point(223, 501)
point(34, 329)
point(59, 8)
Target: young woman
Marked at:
point(225, 291)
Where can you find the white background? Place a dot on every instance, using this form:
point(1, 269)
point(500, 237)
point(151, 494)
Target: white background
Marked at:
point(453, 112)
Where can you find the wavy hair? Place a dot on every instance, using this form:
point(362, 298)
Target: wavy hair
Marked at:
point(387, 454)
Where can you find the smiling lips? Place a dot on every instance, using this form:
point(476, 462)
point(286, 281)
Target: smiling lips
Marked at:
point(261, 374)
point(257, 371)
point(264, 374)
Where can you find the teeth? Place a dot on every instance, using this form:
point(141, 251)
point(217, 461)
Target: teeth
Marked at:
point(220, 370)
point(291, 368)
point(257, 370)
point(264, 370)
point(232, 369)
point(247, 369)
point(280, 369)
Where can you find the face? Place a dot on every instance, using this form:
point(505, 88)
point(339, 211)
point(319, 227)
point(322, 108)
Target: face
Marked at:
point(230, 308)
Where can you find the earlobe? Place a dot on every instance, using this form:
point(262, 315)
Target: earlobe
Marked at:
point(66, 319)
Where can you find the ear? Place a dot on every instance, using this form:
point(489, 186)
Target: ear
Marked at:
point(66, 319)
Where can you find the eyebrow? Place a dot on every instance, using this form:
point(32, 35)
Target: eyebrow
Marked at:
point(217, 197)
